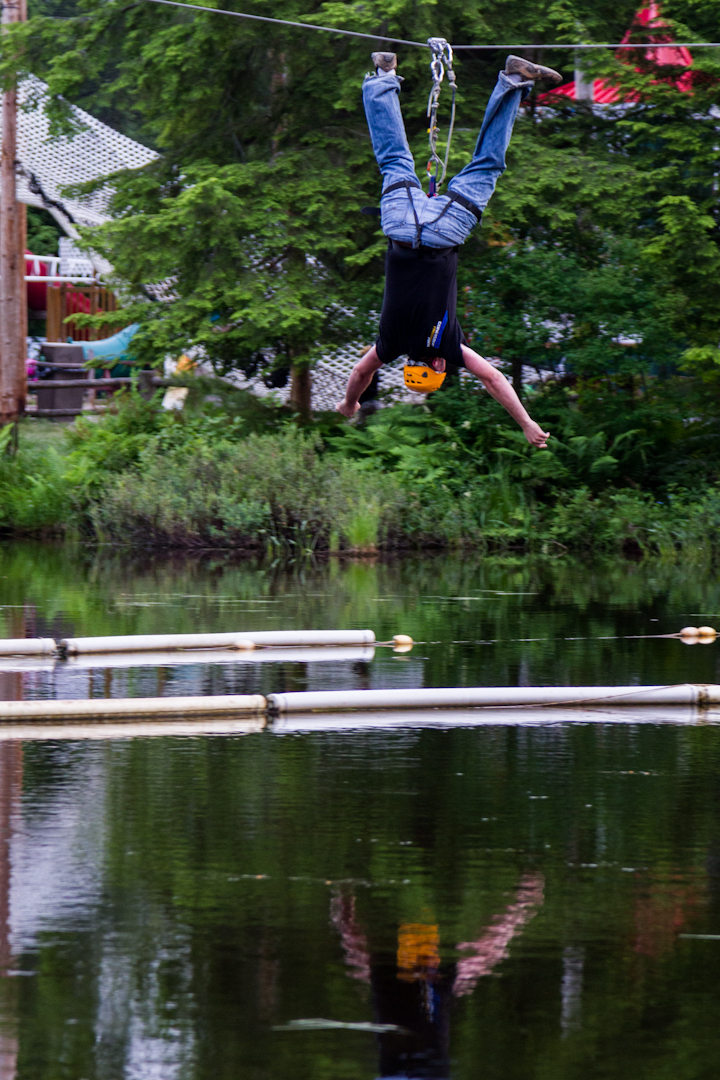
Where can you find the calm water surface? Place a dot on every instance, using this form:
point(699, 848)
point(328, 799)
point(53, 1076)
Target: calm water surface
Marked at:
point(508, 901)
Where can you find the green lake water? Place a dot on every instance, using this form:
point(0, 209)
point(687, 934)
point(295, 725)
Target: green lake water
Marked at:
point(517, 899)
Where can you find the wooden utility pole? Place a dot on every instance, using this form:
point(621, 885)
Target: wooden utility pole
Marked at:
point(13, 329)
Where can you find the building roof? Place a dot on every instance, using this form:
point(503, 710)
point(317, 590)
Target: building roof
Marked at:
point(47, 164)
point(605, 92)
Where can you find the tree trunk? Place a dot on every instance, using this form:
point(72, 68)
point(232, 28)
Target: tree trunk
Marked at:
point(13, 379)
point(516, 371)
point(301, 388)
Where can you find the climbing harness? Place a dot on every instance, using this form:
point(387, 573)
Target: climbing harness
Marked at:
point(441, 62)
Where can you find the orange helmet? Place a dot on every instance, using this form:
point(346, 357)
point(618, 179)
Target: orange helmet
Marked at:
point(423, 379)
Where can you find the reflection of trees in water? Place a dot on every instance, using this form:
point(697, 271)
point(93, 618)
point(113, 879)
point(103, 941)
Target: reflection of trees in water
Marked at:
point(415, 993)
point(571, 989)
point(11, 768)
point(75, 590)
point(173, 896)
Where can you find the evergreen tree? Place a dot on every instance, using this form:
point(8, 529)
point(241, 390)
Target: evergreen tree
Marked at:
point(605, 225)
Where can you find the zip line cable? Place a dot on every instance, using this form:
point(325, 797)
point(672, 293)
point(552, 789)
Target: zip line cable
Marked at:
point(621, 45)
point(286, 22)
point(424, 44)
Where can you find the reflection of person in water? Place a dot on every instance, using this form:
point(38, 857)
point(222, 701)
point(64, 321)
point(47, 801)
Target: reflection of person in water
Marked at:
point(413, 994)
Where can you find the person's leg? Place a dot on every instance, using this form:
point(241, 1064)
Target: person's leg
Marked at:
point(387, 130)
point(478, 179)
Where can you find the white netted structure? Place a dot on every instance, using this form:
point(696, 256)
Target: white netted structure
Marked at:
point(329, 378)
point(49, 163)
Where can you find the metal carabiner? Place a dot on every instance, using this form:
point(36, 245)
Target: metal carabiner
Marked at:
point(442, 60)
point(438, 46)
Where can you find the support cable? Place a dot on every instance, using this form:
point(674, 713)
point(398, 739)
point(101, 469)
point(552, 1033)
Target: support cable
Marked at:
point(287, 22)
point(424, 45)
point(603, 45)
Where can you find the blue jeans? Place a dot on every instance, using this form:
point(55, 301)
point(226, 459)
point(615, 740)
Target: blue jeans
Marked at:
point(476, 181)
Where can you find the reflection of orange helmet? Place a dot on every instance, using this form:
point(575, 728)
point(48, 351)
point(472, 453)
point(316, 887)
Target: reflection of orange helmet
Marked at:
point(418, 954)
point(423, 379)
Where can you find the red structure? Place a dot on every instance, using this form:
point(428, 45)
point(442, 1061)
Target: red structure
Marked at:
point(603, 92)
point(78, 302)
point(36, 290)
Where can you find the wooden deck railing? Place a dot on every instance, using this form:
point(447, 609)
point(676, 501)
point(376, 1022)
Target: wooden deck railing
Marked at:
point(62, 300)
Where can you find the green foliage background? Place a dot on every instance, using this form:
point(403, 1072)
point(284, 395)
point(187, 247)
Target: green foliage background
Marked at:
point(607, 222)
point(598, 259)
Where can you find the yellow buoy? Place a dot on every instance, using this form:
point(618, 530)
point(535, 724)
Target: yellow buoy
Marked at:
point(246, 644)
point(707, 632)
point(403, 639)
point(690, 632)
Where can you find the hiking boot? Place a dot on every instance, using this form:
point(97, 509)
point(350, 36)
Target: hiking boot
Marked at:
point(518, 65)
point(384, 61)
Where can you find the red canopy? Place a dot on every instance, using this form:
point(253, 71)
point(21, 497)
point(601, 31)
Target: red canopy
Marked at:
point(650, 20)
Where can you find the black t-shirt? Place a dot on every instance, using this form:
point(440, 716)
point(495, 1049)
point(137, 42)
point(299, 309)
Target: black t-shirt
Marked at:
point(419, 305)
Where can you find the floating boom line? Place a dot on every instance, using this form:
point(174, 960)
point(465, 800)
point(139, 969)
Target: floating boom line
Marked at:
point(424, 45)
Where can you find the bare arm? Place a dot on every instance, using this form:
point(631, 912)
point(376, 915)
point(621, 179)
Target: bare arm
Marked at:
point(354, 941)
point(492, 945)
point(360, 378)
point(496, 384)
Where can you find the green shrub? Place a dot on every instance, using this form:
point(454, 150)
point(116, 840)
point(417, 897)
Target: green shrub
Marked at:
point(34, 497)
point(410, 477)
point(265, 490)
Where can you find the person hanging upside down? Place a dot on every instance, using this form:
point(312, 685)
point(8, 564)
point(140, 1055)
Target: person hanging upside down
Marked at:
point(419, 305)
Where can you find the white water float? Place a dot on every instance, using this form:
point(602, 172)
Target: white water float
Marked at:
point(542, 716)
point(238, 640)
point(177, 658)
point(122, 729)
point(330, 701)
point(133, 708)
point(281, 638)
point(28, 663)
point(27, 647)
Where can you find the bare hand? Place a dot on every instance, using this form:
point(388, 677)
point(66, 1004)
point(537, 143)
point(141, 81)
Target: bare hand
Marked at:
point(535, 435)
point(347, 410)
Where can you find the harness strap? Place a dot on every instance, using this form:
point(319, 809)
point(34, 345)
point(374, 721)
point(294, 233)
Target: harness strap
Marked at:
point(458, 198)
point(399, 184)
point(452, 196)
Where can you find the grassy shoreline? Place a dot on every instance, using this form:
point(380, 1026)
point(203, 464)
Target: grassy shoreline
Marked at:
point(242, 475)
